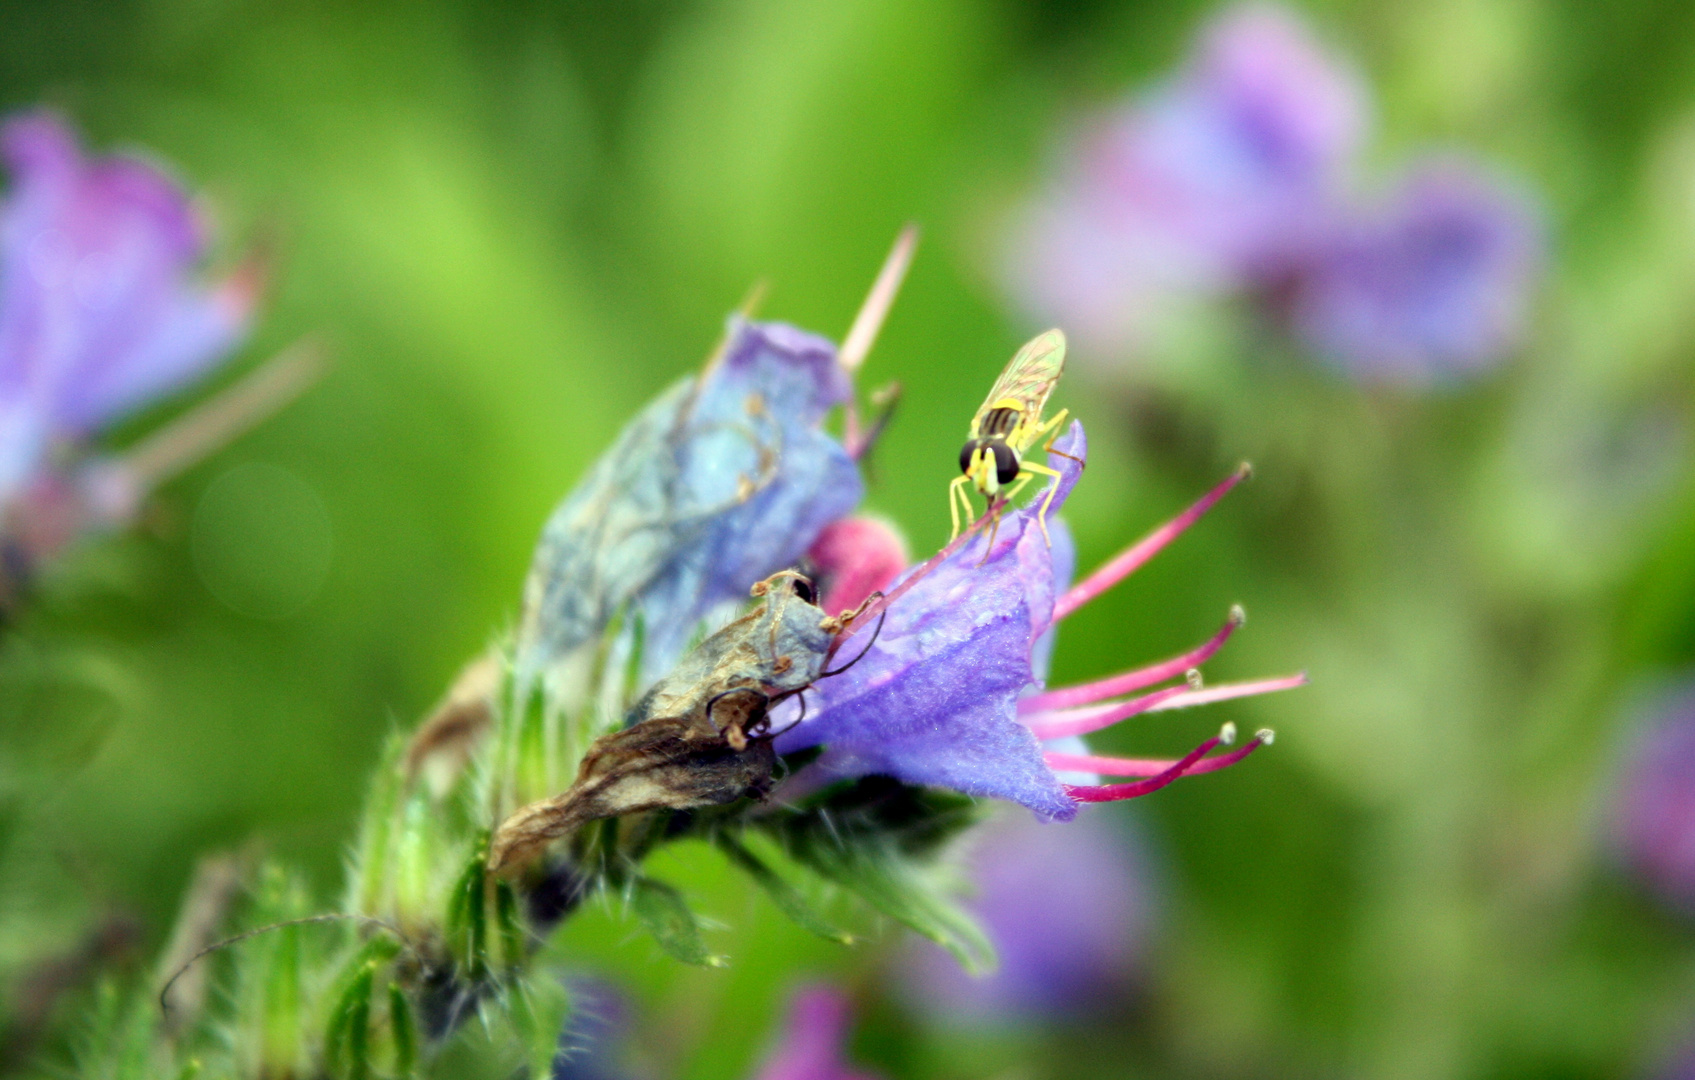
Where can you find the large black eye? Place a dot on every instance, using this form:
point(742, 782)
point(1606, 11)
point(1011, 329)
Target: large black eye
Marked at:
point(803, 589)
point(1006, 463)
point(965, 453)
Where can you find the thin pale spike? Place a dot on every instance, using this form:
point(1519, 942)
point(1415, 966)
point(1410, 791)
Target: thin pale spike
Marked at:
point(1060, 723)
point(1119, 792)
point(869, 322)
point(746, 310)
point(1117, 766)
point(208, 426)
point(1227, 691)
point(1088, 693)
point(1137, 555)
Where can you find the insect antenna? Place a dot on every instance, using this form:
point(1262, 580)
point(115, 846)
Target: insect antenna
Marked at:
point(798, 719)
point(364, 920)
point(862, 652)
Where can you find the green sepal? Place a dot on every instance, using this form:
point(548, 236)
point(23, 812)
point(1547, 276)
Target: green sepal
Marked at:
point(667, 917)
point(787, 898)
point(467, 914)
point(351, 997)
point(347, 1045)
point(403, 1030)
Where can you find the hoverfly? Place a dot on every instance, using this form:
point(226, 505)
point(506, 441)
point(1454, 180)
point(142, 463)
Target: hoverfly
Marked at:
point(1006, 426)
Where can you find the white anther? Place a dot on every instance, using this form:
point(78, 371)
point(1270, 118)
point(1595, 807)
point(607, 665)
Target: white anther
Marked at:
point(1193, 678)
point(1227, 734)
point(1238, 614)
point(1266, 736)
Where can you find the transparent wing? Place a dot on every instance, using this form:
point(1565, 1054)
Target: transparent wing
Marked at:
point(1030, 376)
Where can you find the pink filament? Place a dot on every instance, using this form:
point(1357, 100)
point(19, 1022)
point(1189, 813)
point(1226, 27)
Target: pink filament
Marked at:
point(1131, 680)
point(1058, 724)
point(1117, 792)
point(1116, 766)
point(1226, 691)
point(1133, 557)
point(872, 611)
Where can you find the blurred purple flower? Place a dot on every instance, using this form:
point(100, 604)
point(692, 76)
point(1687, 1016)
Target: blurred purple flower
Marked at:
point(100, 308)
point(1231, 181)
point(1436, 284)
point(810, 1044)
point(944, 694)
point(723, 480)
point(1218, 175)
point(1067, 910)
point(595, 1032)
point(1653, 814)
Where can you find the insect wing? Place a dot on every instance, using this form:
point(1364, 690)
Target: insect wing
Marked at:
point(1030, 376)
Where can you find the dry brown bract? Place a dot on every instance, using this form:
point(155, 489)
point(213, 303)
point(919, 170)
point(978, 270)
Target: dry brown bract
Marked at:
point(700, 736)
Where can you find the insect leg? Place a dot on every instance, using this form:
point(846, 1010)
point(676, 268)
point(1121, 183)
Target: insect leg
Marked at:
point(1051, 429)
point(1027, 468)
point(956, 495)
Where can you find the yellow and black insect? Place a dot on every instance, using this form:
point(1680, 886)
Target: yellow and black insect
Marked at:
point(1007, 425)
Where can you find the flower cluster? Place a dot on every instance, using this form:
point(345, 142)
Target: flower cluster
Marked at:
point(1233, 178)
point(101, 313)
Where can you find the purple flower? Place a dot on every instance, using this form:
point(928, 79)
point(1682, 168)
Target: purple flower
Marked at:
point(1066, 909)
point(945, 694)
point(1211, 178)
point(100, 308)
point(1231, 181)
point(1435, 284)
point(723, 480)
point(1653, 815)
point(810, 1045)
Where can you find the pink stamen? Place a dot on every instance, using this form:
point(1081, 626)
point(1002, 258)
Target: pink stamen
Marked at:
point(1060, 723)
point(1116, 766)
point(1136, 555)
point(1192, 763)
point(1088, 693)
point(1118, 792)
point(1227, 691)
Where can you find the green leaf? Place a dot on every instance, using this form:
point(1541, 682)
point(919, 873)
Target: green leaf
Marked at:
point(787, 898)
point(881, 839)
point(668, 918)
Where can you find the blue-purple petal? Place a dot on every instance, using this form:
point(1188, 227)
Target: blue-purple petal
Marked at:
point(934, 700)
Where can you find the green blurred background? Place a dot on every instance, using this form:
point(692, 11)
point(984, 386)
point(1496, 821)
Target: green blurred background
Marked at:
point(513, 223)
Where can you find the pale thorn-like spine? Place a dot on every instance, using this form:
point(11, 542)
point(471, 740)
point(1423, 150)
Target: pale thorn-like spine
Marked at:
point(868, 323)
